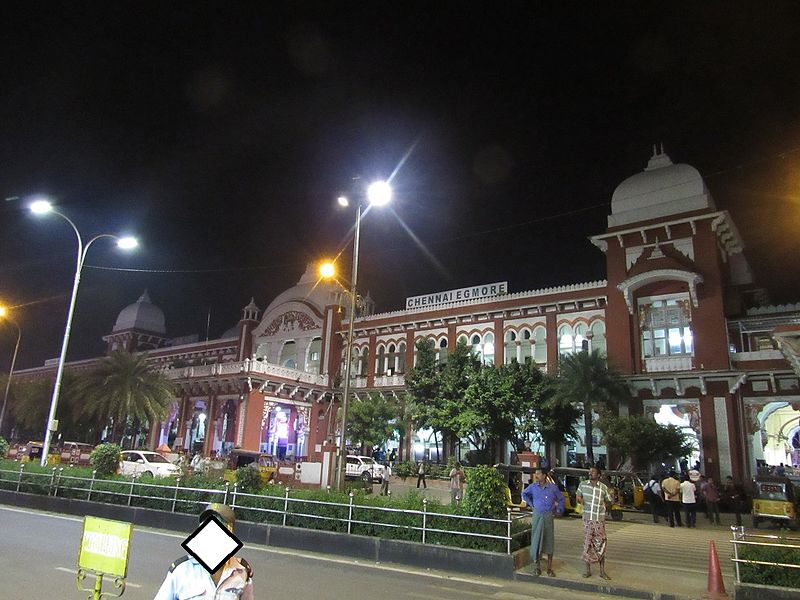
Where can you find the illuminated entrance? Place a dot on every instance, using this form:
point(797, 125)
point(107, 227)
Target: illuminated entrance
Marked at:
point(685, 415)
point(773, 431)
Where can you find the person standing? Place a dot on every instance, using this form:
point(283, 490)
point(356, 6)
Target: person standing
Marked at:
point(653, 494)
point(734, 497)
point(689, 501)
point(595, 498)
point(546, 501)
point(187, 578)
point(712, 500)
point(456, 484)
point(421, 474)
point(385, 475)
point(672, 498)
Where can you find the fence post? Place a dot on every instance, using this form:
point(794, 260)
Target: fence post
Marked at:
point(508, 530)
point(91, 485)
point(738, 533)
point(424, 517)
point(227, 485)
point(130, 492)
point(235, 487)
point(285, 505)
point(350, 513)
point(19, 477)
point(52, 480)
point(58, 481)
point(175, 495)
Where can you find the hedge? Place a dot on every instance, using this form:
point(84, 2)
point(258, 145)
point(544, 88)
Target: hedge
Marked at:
point(765, 574)
point(310, 509)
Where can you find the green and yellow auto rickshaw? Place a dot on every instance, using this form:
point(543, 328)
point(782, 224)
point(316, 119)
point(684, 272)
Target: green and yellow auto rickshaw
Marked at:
point(775, 499)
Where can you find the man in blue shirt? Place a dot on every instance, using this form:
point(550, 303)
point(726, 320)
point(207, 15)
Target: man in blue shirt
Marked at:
point(545, 500)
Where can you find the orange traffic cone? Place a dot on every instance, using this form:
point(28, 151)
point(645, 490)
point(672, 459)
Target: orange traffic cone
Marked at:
point(716, 587)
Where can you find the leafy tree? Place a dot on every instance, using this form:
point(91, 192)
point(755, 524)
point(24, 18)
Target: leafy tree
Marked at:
point(586, 379)
point(371, 421)
point(423, 384)
point(644, 441)
point(123, 388)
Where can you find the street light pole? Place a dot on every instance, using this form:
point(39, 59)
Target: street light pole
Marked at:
point(11, 370)
point(348, 351)
point(41, 207)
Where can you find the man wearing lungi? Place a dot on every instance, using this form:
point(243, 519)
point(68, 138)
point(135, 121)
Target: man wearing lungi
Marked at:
point(595, 498)
point(545, 500)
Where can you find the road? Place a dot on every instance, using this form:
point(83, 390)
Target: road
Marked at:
point(39, 552)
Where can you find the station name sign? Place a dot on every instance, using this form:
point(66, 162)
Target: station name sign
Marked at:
point(474, 292)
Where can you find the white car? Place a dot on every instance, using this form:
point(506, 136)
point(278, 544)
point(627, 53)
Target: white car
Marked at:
point(363, 467)
point(142, 462)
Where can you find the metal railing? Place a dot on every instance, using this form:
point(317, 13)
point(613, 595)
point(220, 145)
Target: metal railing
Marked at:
point(743, 539)
point(174, 498)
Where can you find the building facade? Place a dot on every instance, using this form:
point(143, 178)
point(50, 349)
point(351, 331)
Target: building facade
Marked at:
point(678, 315)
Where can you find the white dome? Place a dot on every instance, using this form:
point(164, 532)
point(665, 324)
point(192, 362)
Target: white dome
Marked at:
point(142, 315)
point(663, 189)
point(309, 289)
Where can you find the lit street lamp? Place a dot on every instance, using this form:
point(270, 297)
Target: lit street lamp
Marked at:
point(41, 207)
point(4, 316)
point(378, 194)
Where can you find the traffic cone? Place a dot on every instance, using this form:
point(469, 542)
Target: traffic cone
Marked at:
point(716, 587)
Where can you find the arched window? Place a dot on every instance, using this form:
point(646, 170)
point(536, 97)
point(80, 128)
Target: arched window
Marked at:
point(488, 348)
point(314, 353)
point(581, 341)
point(380, 361)
point(511, 347)
point(475, 342)
point(566, 341)
point(401, 358)
point(598, 341)
point(391, 360)
point(289, 355)
point(364, 362)
point(442, 354)
point(540, 353)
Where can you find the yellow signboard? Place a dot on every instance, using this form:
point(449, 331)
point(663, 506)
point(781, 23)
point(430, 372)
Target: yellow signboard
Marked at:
point(105, 545)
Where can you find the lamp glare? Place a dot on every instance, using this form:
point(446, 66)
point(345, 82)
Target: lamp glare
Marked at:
point(40, 207)
point(379, 193)
point(127, 243)
point(327, 270)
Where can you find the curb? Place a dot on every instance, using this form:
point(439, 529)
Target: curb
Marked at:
point(585, 586)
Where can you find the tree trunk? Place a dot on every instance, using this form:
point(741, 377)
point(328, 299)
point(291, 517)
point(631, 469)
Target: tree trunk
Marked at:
point(587, 424)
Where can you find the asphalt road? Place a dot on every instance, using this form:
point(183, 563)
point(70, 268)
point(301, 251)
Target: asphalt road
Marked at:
point(38, 553)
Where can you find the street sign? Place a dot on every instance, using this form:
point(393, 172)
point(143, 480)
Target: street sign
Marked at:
point(105, 546)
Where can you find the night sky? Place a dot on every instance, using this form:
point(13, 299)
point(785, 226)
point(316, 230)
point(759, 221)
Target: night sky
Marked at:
point(221, 134)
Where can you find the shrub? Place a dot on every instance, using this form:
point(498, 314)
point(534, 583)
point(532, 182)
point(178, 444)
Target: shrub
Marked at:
point(485, 495)
point(249, 480)
point(3, 447)
point(767, 575)
point(105, 459)
point(405, 469)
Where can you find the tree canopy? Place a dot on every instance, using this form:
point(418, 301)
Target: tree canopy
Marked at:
point(372, 420)
point(644, 441)
point(586, 379)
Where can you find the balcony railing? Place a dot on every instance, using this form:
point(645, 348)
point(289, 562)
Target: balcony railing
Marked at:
point(390, 381)
point(245, 368)
point(660, 364)
point(757, 355)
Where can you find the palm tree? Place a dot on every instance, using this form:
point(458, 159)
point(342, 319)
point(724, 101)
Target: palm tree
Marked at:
point(587, 379)
point(124, 388)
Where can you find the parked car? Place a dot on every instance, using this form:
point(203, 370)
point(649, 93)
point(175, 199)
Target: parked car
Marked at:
point(143, 462)
point(363, 467)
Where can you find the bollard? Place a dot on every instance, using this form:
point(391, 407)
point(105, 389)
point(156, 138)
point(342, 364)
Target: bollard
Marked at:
point(716, 587)
point(424, 517)
point(350, 514)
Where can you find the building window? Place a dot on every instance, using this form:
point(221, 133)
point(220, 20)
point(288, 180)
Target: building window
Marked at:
point(442, 357)
point(666, 329)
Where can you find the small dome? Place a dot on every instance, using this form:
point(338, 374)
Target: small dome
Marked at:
point(142, 315)
point(663, 189)
point(230, 333)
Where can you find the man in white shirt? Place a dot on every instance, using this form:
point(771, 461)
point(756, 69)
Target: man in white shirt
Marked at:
point(652, 493)
point(689, 501)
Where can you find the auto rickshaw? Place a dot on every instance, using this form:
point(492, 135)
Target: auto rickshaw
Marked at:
point(243, 458)
point(518, 477)
point(568, 479)
point(776, 500)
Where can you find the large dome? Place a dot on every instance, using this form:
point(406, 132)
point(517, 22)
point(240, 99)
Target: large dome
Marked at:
point(309, 289)
point(663, 189)
point(142, 315)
